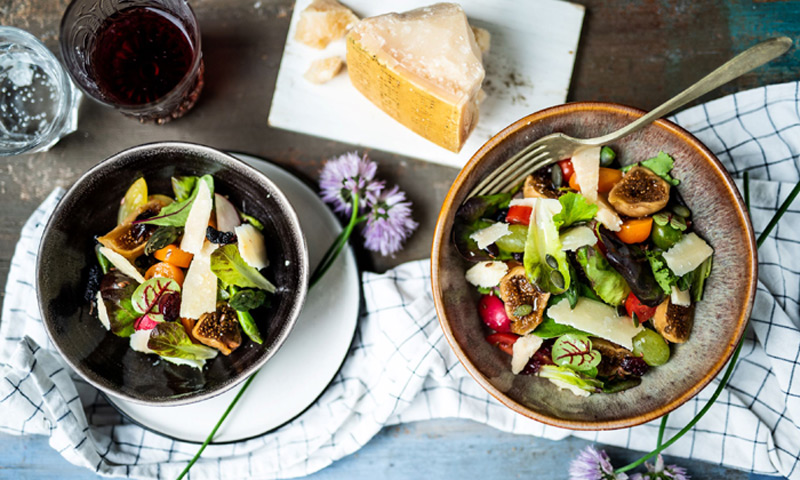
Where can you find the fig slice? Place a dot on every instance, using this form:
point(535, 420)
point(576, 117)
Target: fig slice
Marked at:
point(524, 303)
point(219, 329)
point(539, 185)
point(673, 322)
point(640, 193)
point(128, 239)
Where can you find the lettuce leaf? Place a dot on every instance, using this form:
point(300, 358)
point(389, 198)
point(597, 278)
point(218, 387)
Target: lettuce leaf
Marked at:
point(183, 187)
point(574, 209)
point(545, 263)
point(228, 265)
point(609, 285)
point(169, 339)
point(116, 289)
point(176, 213)
point(550, 329)
point(699, 279)
point(664, 276)
point(567, 376)
point(575, 352)
point(661, 165)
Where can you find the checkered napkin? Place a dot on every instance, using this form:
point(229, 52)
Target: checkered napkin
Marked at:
point(400, 368)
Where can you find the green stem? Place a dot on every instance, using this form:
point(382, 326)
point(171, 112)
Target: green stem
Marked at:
point(326, 262)
point(660, 447)
point(330, 256)
point(216, 427)
point(661, 429)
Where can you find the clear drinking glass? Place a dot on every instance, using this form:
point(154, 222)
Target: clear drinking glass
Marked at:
point(38, 103)
point(141, 57)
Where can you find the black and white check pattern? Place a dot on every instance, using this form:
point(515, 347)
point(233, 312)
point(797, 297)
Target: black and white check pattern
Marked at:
point(401, 369)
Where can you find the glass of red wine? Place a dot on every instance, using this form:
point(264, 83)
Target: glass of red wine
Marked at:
point(141, 57)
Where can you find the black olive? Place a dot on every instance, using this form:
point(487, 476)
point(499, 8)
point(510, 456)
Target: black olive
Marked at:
point(501, 215)
point(222, 238)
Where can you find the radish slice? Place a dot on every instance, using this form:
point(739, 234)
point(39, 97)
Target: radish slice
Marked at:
point(227, 216)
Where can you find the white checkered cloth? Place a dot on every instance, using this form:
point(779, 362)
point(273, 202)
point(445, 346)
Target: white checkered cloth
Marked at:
point(400, 368)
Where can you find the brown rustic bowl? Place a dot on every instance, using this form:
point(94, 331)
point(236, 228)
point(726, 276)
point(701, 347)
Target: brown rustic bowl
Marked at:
point(719, 216)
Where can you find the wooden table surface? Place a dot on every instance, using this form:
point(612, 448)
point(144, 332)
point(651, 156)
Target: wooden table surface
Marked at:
point(636, 52)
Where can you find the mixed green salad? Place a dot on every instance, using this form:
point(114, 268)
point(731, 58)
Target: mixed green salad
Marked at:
point(588, 271)
point(180, 275)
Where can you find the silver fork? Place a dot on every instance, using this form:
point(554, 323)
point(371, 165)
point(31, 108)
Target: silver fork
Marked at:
point(558, 146)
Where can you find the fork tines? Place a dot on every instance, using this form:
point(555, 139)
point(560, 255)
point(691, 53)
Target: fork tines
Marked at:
point(514, 170)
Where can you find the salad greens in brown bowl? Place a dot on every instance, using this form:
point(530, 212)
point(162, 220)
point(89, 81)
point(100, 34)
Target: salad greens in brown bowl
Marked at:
point(170, 272)
point(605, 290)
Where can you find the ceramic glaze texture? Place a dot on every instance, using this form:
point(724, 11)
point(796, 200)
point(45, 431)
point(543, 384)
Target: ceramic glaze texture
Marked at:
point(89, 209)
point(719, 217)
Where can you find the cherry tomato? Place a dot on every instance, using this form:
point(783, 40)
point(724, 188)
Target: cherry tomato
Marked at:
point(520, 214)
point(503, 341)
point(634, 307)
point(607, 178)
point(635, 230)
point(566, 168)
point(174, 255)
point(165, 270)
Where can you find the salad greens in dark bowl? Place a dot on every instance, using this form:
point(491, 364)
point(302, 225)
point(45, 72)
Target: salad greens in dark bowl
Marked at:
point(153, 302)
point(605, 290)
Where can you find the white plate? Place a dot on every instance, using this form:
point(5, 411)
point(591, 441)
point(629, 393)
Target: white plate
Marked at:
point(528, 68)
point(306, 363)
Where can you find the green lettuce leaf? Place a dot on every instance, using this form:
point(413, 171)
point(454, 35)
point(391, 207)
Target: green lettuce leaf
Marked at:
point(664, 276)
point(183, 187)
point(247, 299)
point(574, 209)
point(550, 329)
point(575, 352)
point(569, 376)
point(176, 213)
point(169, 339)
point(699, 279)
point(116, 290)
point(545, 263)
point(609, 285)
point(661, 165)
point(147, 298)
point(228, 265)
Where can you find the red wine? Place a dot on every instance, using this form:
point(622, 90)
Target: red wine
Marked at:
point(140, 55)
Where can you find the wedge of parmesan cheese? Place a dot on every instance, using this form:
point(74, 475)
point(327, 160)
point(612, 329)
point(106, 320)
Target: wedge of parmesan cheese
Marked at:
point(483, 38)
point(322, 22)
point(251, 246)
point(194, 233)
point(199, 292)
point(423, 67)
point(598, 319)
point(122, 264)
point(323, 70)
point(680, 297)
point(102, 311)
point(487, 274)
point(586, 164)
point(687, 254)
point(487, 236)
point(523, 350)
point(139, 339)
point(606, 214)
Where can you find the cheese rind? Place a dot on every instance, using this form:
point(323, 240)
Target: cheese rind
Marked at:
point(423, 67)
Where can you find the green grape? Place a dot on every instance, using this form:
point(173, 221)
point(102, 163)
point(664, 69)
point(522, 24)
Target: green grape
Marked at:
point(664, 236)
point(514, 242)
point(653, 349)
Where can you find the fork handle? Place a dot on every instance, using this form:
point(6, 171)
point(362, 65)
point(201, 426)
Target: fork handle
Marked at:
point(739, 65)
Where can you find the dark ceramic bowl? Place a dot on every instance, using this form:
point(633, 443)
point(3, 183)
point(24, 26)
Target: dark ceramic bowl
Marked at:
point(720, 319)
point(90, 207)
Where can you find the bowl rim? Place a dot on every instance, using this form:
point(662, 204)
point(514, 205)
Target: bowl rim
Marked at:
point(228, 161)
point(441, 238)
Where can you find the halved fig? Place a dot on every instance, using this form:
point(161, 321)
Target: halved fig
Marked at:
point(539, 185)
point(219, 329)
point(640, 193)
point(673, 322)
point(617, 361)
point(128, 239)
point(524, 303)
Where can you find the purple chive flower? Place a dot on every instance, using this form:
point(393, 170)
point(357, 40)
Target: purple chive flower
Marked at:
point(345, 175)
point(593, 465)
point(389, 222)
point(661, 472)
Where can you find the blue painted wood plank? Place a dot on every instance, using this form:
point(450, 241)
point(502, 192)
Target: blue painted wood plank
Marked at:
point(434, 449)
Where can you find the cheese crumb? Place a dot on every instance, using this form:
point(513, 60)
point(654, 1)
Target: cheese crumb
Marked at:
point(322, 22)
point(323, 70)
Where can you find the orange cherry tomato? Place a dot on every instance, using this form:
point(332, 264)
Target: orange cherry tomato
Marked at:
point(635, 230)
point(174, 255)
point(607, 179)
point(165, 270)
